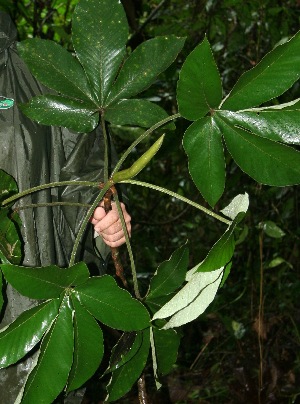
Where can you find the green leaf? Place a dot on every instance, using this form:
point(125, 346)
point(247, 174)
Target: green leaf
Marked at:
point(62, 111)
point(143, 66)
point(25, 332)
point(1, 292)
point(99, 35)
point(45, 282)
point(8, 186)
point(136, 112)
point(170, 274)
point(222, 251)
point(264, 160)
point(10, 242)
point(112, 305)
point(271, 229)
point(192, 300)
point(166, 344)
point(125, 349)
point(271, 77)
point(49, 376)
point(123, 378)
point(55, 67)
point(203, 144)
point(239, 203)
point(278, 125)
point(199, 86)
point(88, 347)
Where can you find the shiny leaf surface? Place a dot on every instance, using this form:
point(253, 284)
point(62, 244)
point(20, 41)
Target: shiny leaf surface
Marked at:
point(55, 67)
point(278, 125)
point(61, 111)
point(199, 86)
point(49, 376)
point(26, 331)
point(88, 347)
point(271, 77)
point(112, 305)
point(143, 66)
point(99, 35)
point(264, 160)
point(123, 378)
point(203, 144)
point(170, 274)
point(136, 113)
point(44, 282)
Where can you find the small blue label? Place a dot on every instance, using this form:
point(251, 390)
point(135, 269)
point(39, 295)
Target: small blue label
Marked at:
point(6, 103)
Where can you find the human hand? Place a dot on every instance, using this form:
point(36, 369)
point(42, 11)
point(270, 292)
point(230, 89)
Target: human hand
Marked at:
point(109, 226)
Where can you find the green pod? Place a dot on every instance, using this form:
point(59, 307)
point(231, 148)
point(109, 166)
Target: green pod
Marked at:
point(139, 164)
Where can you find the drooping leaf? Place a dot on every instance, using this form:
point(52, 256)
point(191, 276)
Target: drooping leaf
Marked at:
point(10, 242)
point(62, 111)
point(137, 112)
point(55, 67)
point(44, 282)
point(203, 144)
point(25, 332)
point(49, 376)
point(264, 160)
point(112, 305)
point(166, 344)
point(271, 77)
point(222, 251)
point(170, 274)
point(99, 35)
point(8, 186)
point(143, 66)
point(271, 229)
point(88, 347)
point(125, 349)
point(199, 86)
point(124, 377)
point(278, 125)
point(192, 300)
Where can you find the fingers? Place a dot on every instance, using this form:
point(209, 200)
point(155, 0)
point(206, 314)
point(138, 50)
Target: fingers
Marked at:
point(109, 225)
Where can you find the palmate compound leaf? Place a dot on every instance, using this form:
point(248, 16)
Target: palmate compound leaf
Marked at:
point(124, 377)
point(266, 161)
point(271, 77)
point(111, 305)
point(10, 241)
point(25, 332)
point(50, 374)
point(202, 143)
point(204, 280)
point(143, 66)
point(44, 282)
point(88, 346)
point(199, 88)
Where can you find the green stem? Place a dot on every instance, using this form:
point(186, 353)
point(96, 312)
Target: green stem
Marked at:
point(85, 221)
point(43, 205)
point(105, 137)
point(45, 186)
point(142, 137)
point(129, 249)
point(177, 196)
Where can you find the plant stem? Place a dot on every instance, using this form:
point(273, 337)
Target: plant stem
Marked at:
point(105, 137)
point(177, 196)
point(129, 249)
point(143, 397)
point(45, 186)
point(44, 205)
point(142, 137)
point(85, 221)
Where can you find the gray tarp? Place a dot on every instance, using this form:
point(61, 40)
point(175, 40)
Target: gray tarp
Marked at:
point(34, 154)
